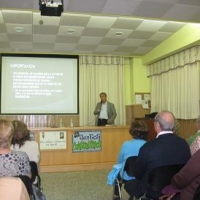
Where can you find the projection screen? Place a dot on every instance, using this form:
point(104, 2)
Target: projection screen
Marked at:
point(39, 84)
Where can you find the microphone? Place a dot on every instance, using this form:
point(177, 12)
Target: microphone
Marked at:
point(99, 108)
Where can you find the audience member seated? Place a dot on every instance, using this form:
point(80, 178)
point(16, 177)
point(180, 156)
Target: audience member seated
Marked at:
point(12, 188)
point(12, 163)
point(176, 129)
point(166, 149)
point(186, 181)
point(138, 131)
point(195, 146)
point(21, 141)
point(191, 139)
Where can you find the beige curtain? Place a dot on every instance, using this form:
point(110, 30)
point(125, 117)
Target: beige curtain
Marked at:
point(101, 74)
point(175, 84)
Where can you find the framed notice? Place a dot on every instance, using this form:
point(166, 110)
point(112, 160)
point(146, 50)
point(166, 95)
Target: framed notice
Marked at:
point(144, 99)
point(53, 140)
point(86, 141)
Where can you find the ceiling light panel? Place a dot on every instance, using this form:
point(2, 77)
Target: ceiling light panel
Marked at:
point(77, 30)
point(124, 33)
point(13, 28)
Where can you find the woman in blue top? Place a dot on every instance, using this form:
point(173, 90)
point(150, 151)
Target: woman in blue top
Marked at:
point(138, 131)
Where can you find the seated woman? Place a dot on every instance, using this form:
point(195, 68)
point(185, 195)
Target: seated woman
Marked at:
point(12, 163)
point(138, 131)
point(21, 141)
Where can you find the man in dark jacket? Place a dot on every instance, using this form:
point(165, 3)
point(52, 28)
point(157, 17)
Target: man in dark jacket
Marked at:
point(166, 149)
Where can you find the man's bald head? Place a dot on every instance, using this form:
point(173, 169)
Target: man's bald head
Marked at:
point(166, 120)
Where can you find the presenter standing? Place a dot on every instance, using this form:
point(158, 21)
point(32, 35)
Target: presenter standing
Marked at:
point(105, 111)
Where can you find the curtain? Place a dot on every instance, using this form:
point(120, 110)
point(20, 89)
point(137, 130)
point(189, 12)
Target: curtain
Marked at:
point(101, 74)
point(175, 84)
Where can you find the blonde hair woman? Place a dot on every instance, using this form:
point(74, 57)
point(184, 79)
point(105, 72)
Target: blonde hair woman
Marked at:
point(12, 163)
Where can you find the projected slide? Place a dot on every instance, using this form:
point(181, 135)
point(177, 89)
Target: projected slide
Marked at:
point(39, 85)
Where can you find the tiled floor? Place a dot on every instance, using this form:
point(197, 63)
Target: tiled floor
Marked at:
point(85, 185)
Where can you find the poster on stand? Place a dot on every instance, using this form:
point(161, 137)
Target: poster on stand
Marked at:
point(86, 141)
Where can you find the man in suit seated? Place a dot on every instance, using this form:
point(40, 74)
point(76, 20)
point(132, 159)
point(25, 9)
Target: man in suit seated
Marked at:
point(166, 149)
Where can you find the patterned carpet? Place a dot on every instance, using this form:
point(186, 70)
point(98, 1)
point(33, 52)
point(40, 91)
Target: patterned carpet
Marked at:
point(85, 185)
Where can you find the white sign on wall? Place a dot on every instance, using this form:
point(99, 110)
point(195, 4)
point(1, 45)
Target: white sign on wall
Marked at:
point(53, 140)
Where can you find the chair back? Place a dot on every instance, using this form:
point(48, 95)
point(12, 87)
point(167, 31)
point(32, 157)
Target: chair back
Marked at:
point(35, 177)
point(159, 178)
point(34, 170)
point(27, 182)
point(130, 161)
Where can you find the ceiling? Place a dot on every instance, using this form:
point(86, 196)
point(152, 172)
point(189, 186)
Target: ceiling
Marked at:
point(108, 27)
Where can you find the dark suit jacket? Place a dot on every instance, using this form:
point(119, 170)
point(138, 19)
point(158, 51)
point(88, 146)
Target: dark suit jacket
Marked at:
point(167, 149)
point(110, 110)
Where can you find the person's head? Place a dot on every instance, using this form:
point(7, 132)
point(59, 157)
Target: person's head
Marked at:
point(21, 133)
point(103, 97)
point(176, 129)
point(197, 123)
point(139, 130)
point(164, 121)
point(6, 133)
